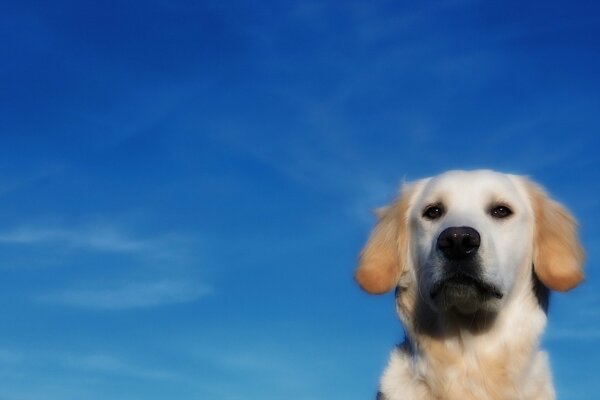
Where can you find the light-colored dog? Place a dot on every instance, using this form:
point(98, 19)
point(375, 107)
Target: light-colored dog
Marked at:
point(472, 255)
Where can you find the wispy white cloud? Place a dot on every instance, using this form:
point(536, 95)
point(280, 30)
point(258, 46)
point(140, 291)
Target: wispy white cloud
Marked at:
point(8, 356)
point(275, 359)
point(146, 255)
point(102, 238)
point(11, 182)
point(91, 363)
point(262, 368)
point(573, 334)
point(128, 296)
point(109, 364)
point(52, 243)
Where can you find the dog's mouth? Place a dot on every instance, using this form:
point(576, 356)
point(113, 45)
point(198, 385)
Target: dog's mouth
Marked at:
point(464, 285)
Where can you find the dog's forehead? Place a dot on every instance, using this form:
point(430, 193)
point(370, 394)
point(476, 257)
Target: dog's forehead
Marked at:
point(471, 185)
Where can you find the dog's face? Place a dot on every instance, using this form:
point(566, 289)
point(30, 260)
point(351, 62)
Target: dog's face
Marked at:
point(471, 237)
point(467, 241)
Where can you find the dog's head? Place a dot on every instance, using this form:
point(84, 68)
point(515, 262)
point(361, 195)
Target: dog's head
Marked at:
point(466, 241)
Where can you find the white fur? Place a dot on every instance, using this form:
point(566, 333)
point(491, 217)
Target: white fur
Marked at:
point(467, 196)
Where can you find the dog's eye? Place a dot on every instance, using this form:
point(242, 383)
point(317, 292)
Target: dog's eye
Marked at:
point(500, 212)
point(433, 212)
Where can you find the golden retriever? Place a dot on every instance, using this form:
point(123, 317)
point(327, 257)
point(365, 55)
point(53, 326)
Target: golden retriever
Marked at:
point(472, 256)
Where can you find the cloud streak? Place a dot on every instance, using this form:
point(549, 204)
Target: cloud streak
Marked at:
point(128, 296)
point(119, 291)
point(105, 239)
point(96, 363)
point(108, 364)
point(97, 238)
point(573, 334)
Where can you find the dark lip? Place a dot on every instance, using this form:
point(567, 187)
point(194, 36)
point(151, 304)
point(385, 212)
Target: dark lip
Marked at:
point(461, 278)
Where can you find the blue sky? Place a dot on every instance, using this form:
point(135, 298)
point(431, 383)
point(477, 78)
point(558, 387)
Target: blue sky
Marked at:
point(184, 186)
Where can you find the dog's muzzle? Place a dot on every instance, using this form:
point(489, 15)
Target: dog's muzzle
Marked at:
point(461, 284)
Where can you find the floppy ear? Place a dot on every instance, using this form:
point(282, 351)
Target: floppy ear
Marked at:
point(381, 261)
point(557, 253)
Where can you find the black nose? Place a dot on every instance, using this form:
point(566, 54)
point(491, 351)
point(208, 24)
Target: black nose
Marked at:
point(459, 242)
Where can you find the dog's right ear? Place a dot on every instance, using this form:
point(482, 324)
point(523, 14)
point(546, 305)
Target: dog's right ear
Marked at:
point(382, 260)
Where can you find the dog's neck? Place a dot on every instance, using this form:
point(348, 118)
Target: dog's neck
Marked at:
point(479, 356)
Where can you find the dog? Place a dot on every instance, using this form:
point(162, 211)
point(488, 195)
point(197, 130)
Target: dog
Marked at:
point(472, 256)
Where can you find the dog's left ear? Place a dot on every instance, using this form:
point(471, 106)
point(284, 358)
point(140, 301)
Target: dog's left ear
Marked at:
point(557, 253)
point(382, 260)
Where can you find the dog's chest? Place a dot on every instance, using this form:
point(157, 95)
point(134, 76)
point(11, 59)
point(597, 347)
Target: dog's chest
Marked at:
point(445, 374)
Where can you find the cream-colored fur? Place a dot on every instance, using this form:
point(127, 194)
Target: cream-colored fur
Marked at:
point(492, 353)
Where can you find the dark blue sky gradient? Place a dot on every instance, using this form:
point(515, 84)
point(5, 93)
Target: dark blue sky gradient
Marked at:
point(184, 186)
